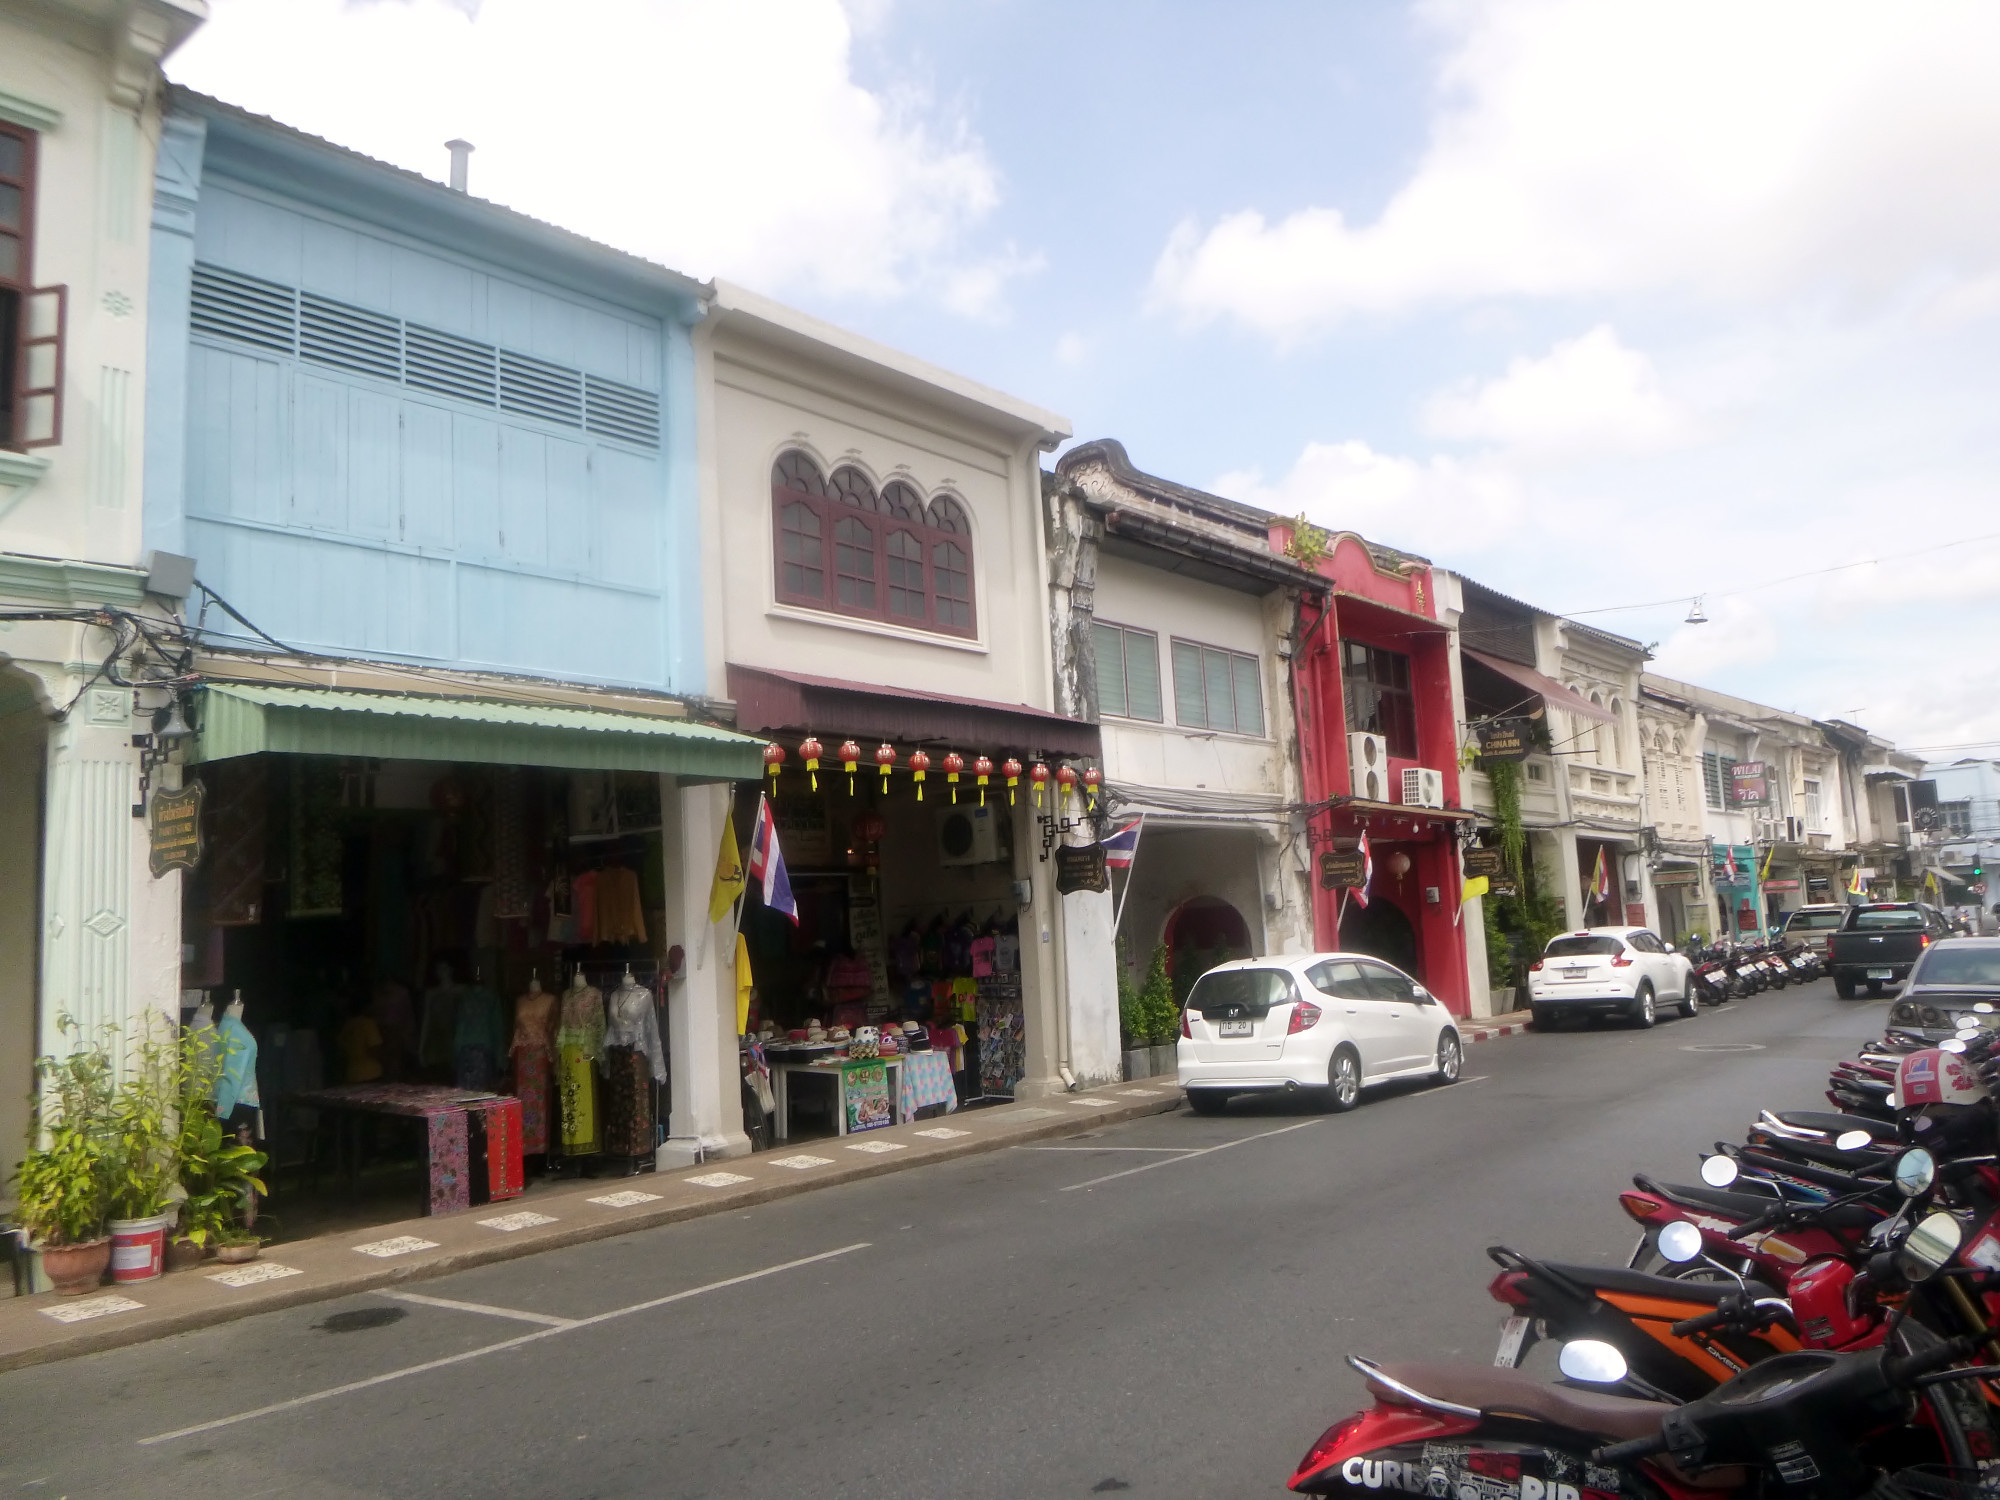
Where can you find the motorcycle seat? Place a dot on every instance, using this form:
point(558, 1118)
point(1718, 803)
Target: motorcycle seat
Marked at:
point(1834, 1125)
point(1504, 1393)
point(1639, 1284)
point(1744, 1206)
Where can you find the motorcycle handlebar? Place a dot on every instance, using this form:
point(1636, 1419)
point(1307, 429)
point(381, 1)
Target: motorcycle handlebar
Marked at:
point(1700, 1323)
point(1625, 1452)
point(1903, 1369)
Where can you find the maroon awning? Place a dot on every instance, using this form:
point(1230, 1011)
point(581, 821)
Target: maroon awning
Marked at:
point(1551, 692)
point(768, 700)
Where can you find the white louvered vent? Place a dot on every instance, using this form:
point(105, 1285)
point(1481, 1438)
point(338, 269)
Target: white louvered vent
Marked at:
point(536, 388)
point(350, 338)
point(250, 310)
point(449, 365)
point(247, 309)
point(621, 411)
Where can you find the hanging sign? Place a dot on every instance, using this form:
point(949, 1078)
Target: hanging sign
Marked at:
point(1504, 739)
point(1342, 867)
point(176, 829)
point(1678, 876)
point(1481, 861)
point(1081, 868)
point(1749, 784)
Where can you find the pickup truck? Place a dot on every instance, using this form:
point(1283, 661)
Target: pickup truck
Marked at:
point(1877, 943)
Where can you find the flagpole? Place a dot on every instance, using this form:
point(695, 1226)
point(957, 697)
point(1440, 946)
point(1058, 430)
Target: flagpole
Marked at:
point(1118, 910)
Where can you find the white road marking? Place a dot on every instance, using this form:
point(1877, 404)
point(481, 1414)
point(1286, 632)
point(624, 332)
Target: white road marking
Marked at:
point(802, 1162)
point(264, 1270)
point(1199, 1151)
point(509, 1223)
point(944, 1133)
point(518, 1314)
point(514, 1343)
point(1176, 1150)
point(402, 1244)
point(90, 1307)
point(878, 1148)
point(630, 1198)
point(717, 1179)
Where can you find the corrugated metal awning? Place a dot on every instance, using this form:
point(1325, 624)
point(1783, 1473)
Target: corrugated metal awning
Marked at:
point(767, 700)
point(1551, 692)
point(250, 719)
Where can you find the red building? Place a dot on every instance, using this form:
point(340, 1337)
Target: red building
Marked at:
point(1371, 682)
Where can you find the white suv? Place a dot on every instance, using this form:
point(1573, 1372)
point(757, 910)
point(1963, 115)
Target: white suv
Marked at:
point(1621, 971)
point(1330, 1022)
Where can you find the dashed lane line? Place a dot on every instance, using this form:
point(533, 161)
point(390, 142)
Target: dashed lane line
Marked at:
point(1191, 1155)
point(518, 1314)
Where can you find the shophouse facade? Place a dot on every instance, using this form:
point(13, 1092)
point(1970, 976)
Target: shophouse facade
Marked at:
point(1958, 818)
point(1174, 622)
point(84, 929)
point(1670, 735)
point(872, 532)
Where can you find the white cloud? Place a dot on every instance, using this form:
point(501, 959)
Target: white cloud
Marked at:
point(1072, 348)
point(1587, 395)
point(1580, 148)
point(720, 139)
point(1740, 633)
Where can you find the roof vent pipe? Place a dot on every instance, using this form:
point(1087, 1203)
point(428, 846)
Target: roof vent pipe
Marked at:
point(461, 155)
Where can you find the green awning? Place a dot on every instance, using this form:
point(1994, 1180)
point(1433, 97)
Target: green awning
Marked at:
point(249, 719)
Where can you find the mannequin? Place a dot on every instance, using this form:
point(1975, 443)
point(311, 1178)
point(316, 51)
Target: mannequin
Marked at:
point(477, 1040)
point(208, 1046)
point(533, 1051)
point(440, 1024)
point(633, 1062)
point(237, 1102)
point(579, 1043)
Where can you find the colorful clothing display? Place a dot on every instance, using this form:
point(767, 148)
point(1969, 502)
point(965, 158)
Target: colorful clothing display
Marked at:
point(579, 1043)
point(450, 1161)
point(628, 1102)
point(926, 1080)
point(620, 917)
point(1002, 1045)
point(534, 1058)
point(496, 1132)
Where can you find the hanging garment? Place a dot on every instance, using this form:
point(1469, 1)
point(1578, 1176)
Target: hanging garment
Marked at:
point(238, 1084)
point(583, 898)
point(449, 1161)
point(562, 911)
point(982, 957)
point(632, 1021)
point(620, 918)
point(579, 1043)
point(495, 1149)
point(478, 1040)
point(534, 1056)
point(628, 1102)
point(513, 893)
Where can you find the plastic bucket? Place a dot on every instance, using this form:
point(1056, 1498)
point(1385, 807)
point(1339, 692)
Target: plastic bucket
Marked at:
point(138, 1248)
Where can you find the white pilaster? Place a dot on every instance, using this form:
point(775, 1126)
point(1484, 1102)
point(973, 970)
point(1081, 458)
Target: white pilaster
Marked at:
point(706, 1119)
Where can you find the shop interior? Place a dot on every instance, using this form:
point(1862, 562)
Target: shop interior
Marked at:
point(448, 977)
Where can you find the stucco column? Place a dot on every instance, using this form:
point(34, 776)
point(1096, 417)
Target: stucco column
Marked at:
point(1041, 967)
point(1571, 887)
point(110, 929)
point(1091, 977)
point(1478, 986)
point(706, 1117)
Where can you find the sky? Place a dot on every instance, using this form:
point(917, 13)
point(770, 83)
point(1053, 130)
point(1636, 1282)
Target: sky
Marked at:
point(1600, 303)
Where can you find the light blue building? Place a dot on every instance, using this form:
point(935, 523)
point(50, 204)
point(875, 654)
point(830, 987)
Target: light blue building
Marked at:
point(395, 421)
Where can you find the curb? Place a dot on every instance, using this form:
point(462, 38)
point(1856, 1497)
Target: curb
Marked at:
point(1487, 1033)
point(27, 1338)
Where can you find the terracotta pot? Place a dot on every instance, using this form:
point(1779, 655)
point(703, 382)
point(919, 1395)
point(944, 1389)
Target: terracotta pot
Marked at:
point(76, 1269)
point(235, 1255)
point(184, 1255)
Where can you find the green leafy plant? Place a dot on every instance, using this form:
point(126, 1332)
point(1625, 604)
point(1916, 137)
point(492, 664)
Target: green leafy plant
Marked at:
point(64, 1184)
point(217, 1172)
point(144, 1129)
point(1308, 543)
point(1158, 1009)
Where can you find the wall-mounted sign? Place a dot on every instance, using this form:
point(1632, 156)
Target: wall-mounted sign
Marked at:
point(1081, 868)
point(1780, 885)
point(1749, 784)
point(1341, 867)
point(1504, 739)
point(1687, 876)
point(176, 829)
point(1481, 861)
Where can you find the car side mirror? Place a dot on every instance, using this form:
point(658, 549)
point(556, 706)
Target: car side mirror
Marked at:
point(1419, 993)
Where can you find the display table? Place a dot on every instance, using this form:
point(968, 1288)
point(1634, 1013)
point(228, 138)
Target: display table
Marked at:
point(462, 1127)
point(837, 1071)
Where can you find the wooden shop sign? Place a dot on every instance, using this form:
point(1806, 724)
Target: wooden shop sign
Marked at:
point(1504, 739)
point(1341, 867)
point(176, 830)
point(1081, 868)
point(1481, 861)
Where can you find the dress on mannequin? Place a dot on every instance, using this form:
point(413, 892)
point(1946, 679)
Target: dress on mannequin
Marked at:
point(237, 1088)
point(208, 1046)
point(579, 1043)
point(633, 1062)
point(534, 1051)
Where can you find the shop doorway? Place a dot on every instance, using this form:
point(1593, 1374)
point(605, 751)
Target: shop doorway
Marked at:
point(1202, 932)
point(1381, 929)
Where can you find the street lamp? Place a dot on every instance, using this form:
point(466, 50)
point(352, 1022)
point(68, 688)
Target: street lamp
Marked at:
point(1696, 614)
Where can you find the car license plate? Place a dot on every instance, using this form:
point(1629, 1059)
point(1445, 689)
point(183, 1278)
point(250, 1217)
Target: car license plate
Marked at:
point(1236, 1028)
point(1879, 973)
point(1575, 973)
point(1512, 1334)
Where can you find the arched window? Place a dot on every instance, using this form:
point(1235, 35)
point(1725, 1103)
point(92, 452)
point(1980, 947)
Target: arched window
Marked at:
point(887, 555)
point(1597, 733)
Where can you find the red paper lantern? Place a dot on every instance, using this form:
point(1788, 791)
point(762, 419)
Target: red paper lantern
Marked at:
point(885, 757)
point(1040, 776)
point(774, 757)
point(1012, 771)
point(810, 751)
point(953, 764)
point(1066, 779)
point(1092, 779)
point(849, 753)
point(919, 763)
point(983, 769)
point(870, 826)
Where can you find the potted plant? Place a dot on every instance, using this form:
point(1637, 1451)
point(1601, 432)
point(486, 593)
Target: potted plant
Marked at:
point(1150, 1018)
point(217, 1171)
point(64, 1184)
point(144, 1159)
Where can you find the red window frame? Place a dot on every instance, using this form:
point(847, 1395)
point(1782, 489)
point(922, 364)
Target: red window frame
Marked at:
point(876, 550)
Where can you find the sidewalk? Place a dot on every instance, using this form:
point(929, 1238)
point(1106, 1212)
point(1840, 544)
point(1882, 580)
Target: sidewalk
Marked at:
point(36, 1330)
point(1487, 1027)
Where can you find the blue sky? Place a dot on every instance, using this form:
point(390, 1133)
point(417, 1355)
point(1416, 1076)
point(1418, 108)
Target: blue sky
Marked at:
point(1593, 300)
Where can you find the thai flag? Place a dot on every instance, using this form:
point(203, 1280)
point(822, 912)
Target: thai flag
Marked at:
point(767, 863)
point(1367, 871)
point(1121, 847)
point(1730, 874)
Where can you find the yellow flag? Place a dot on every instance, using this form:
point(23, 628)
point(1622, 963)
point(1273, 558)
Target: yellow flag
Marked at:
point(728, 873)
point(1769, 855)
point(742, 986)
point(1475, 886)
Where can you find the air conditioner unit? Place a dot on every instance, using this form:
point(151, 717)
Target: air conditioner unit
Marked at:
point(1423, 787)
point(968, 835)
point(1795, 830)
point(1368, 767)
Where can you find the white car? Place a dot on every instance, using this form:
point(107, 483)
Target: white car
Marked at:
point(1330, 1022)
point(1609, 971)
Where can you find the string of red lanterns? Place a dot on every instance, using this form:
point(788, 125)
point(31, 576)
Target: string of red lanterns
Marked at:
point(1066, 777)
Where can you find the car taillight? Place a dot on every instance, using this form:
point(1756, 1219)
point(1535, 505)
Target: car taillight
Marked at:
point(1924, 940)
point(1305, 1015)
point(1186, 1030)
point(1535, 967)
point(1638, 1205)
point(1622, 961)
point(1508, 1287)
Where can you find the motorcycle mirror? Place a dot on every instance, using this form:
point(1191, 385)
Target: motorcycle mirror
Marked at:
point(1984, 1007)
point(1680, 1241)
point(1852, 1140)
point(1592, 1361)
point(1719, 1171)
point(1932, 1242)
point(1916, 1170)
point(1952, 1044)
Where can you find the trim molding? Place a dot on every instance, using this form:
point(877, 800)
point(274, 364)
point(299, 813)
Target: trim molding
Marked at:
point(70, 583)
point(16, 110)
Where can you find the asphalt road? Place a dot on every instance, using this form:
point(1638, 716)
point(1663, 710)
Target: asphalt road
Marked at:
point(1107, 1315)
